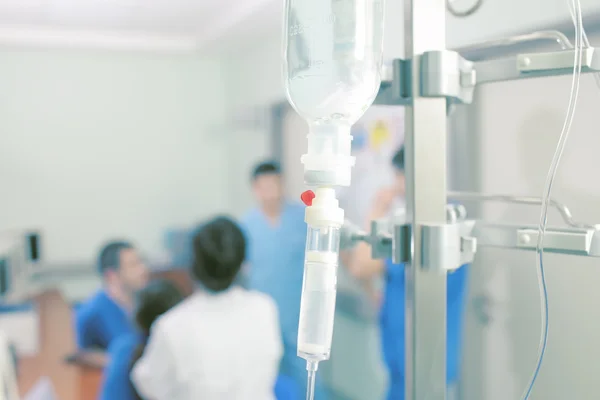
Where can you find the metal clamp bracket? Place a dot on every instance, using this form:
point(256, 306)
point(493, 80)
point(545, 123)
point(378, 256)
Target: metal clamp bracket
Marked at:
point(446, 73)
point(573, 241)
point(444, 246)
point(380, 239)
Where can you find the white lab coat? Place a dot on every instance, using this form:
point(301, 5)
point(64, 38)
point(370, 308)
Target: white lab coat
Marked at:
point(223, 346)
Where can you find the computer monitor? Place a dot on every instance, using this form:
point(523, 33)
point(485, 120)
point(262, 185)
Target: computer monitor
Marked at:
point(5, 276)
point(33, 244)
point(19, 253)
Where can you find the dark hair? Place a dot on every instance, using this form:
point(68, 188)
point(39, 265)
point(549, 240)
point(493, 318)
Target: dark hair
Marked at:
point(219, 249)
point(398, 159)
point(154, 300)
point(110, 254)
point(265, 168)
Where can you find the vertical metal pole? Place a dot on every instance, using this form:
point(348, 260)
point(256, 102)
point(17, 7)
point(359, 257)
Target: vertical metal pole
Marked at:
point(425, 145)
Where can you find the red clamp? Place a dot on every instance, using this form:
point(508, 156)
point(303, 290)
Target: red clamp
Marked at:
point(307, 197)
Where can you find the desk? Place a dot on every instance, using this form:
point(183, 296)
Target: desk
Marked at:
point(57, 340)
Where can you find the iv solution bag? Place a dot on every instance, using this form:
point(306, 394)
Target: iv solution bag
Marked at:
point(333, 58)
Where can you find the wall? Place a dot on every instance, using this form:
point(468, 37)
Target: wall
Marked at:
point(252, 86)
point(95, 145)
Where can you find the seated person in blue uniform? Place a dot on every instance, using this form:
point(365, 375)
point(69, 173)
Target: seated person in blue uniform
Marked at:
point(151, 302)
point(276, 234)
point(392, 312)
point(105, 316)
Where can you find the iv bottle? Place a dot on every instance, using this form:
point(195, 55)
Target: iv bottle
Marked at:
point(332, 73)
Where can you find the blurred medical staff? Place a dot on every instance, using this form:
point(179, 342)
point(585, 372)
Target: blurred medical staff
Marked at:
point(392, 316)
point(105, 316)
point(277, 236)
point(222, 342)
point(151, 302)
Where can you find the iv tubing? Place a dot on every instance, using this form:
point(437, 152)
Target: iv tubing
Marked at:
point(311, 367)
point(466, 13)
point(566, 130)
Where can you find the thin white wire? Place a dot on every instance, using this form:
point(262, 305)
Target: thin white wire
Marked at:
point(566, 130)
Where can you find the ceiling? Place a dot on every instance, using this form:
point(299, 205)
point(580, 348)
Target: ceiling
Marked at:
point(178, 25)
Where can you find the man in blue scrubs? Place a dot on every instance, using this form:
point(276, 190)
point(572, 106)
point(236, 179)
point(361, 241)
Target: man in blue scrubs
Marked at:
point(276, 239)
point(392, 316)
point(106, 315)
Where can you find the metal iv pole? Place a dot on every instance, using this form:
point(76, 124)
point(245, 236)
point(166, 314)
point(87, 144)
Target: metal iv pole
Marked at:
point(425, 147)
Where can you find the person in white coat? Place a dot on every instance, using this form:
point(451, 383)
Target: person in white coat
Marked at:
point(221, 343)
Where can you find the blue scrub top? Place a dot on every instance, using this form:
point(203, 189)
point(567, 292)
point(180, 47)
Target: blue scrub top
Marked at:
point(392, 325)
point(276, 256)
point(99, 321)
point(116, 383)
